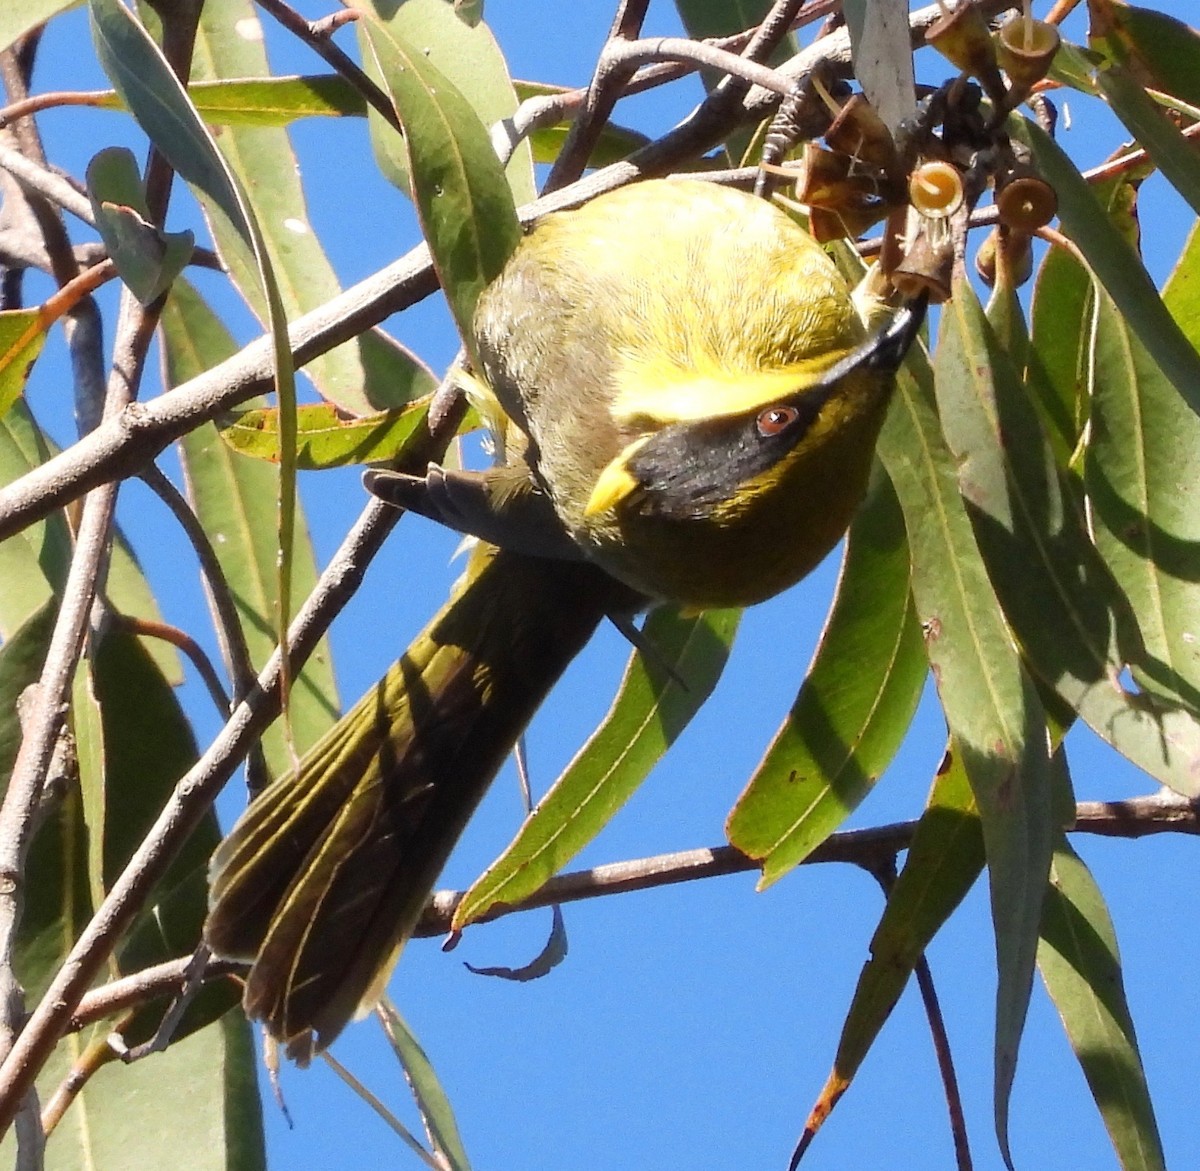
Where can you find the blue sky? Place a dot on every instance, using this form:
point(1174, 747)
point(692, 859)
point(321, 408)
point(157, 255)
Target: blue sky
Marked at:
point(693, 1026)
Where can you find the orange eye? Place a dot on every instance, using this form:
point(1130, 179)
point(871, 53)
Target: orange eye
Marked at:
point(776, 419)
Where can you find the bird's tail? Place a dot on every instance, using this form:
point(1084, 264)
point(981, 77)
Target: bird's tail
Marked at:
point(325, 875)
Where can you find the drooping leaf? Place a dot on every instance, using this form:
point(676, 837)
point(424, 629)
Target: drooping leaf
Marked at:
point(1117, 267)
point(22, 334)
point(1081, 967)
point(854, 707)
point(990, 702)
point(1060, 339)
point(882, 55)
point(57, 900)
point(132, 1116)
point(1161, 53)
point(1058, 594)
point(944, 860)
point(265, 100)
point(1162, 140)
point(1145, 508)
point(148, 86)
point(660, 692)
point(34, 562)
point(431, 1099)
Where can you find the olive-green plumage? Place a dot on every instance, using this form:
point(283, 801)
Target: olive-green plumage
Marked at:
point(691, 410)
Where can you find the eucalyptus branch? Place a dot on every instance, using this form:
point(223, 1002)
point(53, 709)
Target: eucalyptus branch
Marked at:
point(945, 1060)
point(608, 80)
point(1139, 817)
point(1127, 819)
point(123, 444)
point(46, 183)
point(773, 28)
point(141, 988)
point(197, 789)
point(94, 1058)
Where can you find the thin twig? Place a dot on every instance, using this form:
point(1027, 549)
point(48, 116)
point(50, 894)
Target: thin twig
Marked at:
point(945, 1060)
point(98, 1053)
point(414, 1144)
point(48, 711)
point(1127, 819)
point(885, 875)
point(774, 27)
point(230, 635)
point(141, 988)
point(125, 444)
point(317, 36)
point(187, 645)
point(195, 975)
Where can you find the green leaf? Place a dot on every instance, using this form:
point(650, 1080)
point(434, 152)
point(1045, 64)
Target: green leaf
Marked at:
point(463, 199)
point(1081, 966)
point(435, 1108)
point(1057, 592)
point(265, 101)
point(650, 710)
point(57, 900)
point(1145, 510)
point(144, 745)
point(1146, 120)
point(1162, 52)
point(467, 55)
point(33, 562)
point(1116, 266)
point(856, 703)
point(130, 1116)
point(882, 54)
point(991, 704)
point(21, 338)
point(147, 258)
point(325, 439)
point(370, 372)
point(944, 860)
point(1060, 323)
point(233, 496)
point(146, 83)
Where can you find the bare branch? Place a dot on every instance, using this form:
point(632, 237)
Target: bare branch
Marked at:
point(1136, 818)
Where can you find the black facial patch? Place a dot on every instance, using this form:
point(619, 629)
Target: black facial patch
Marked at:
point(687, 468)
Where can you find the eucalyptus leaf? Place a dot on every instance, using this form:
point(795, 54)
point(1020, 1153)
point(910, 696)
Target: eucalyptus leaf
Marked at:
point(660, 692)
point(991, 704)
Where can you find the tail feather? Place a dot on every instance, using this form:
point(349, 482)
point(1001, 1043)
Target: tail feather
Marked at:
point(326, 874)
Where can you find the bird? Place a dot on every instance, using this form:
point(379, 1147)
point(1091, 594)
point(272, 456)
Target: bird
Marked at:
point(684, 400)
